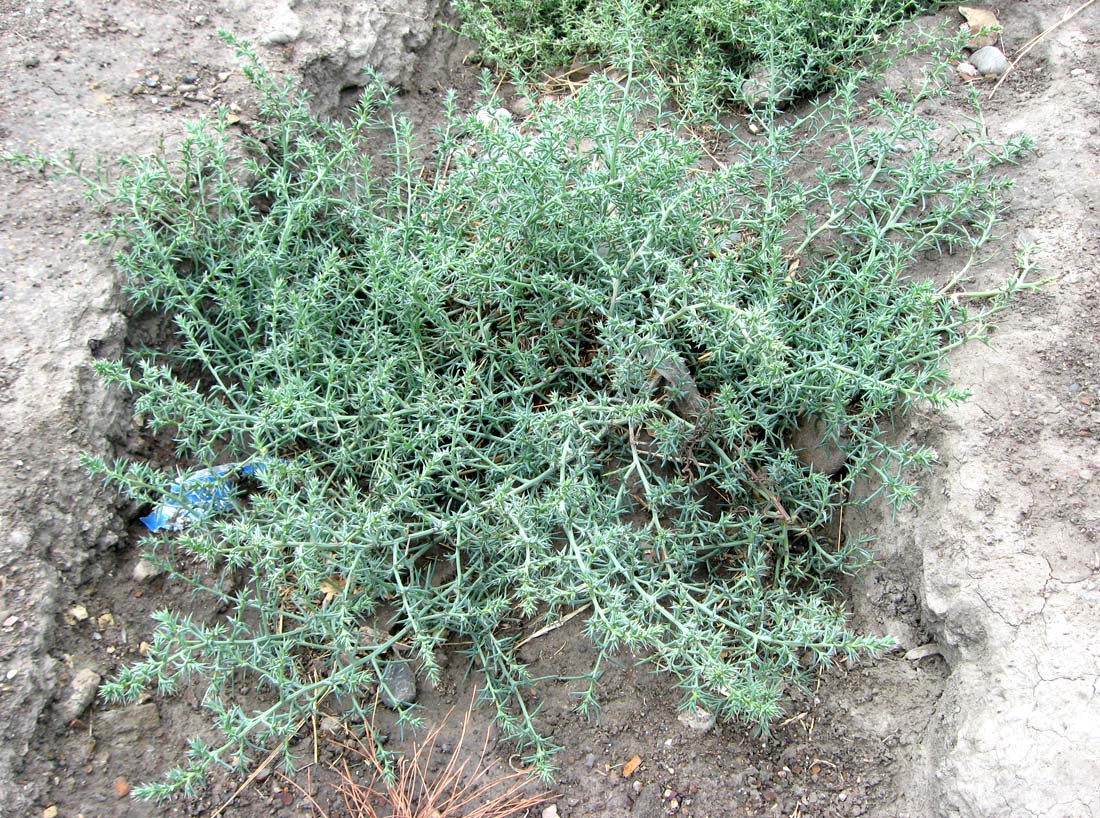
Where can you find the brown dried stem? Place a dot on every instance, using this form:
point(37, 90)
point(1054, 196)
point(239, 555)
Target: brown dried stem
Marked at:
point(409, 789)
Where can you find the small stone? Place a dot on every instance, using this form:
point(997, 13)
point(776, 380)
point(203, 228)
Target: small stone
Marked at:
point(1078, 72)
point(79, 694)
point(818, 449)
point(636, 786)
point(760, 91)
point(105, 621)
point(590, 760)
point(285, 28)
point(201, 20)
point(331, 725)
point(79, 613)
point(11, 621)
point(146, 570)
point(398, 685)
point(136, 719)
point(152, 82)
point(487, 117)
point(31, 61)
point(649, 803)
point(617, 802)
point(697, 719)
point(967, 71)
point(224, 76)
point(122, 787)
point(550, 812)
point(49, 812)
point(989, 61)
point(521, 106)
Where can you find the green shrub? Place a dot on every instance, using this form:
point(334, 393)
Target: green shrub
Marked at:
point(556, 366)
point(704, 49)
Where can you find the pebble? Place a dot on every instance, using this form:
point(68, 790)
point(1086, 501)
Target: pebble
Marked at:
point(1078, 72)
point(78, 612)
point(649, 803)
point(697, 719)
point(285, 28)
point(398, 685)
point(617, 802)
point(79, 694)
point(146, 570)
point(590, 760)
point(758, 91)
point(989, 61)
point(488, 117)
point(49, 812)
point(550, 812)
point(967, 71)
point(135, 719)
point(521, 106)
point(816, 448)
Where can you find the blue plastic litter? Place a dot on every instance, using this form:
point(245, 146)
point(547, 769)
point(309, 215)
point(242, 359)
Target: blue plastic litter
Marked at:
point(198, 495)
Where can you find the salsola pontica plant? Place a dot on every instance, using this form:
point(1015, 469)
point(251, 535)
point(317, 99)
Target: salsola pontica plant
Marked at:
point(556, 365)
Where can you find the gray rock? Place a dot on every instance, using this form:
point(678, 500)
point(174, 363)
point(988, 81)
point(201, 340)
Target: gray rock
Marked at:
point(817, 449)
point(284, 26)
point(649, 803)
point(761, 91)
point(967, 71)
point(134, 720)
point(398, 685)
point(697, 719)
point(146, 570)
point(78, 695)
point(618, 801)
point(989, 61)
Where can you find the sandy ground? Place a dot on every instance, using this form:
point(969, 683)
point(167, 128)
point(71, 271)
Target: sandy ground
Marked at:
point(999, 570)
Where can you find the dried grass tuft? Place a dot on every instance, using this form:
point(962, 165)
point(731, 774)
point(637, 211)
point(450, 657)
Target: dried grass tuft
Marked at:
point(407, 788)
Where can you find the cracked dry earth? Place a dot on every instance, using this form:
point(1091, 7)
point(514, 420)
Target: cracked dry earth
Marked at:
point(999, 570)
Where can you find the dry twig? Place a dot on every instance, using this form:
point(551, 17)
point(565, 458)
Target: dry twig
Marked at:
point(1034, 41)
